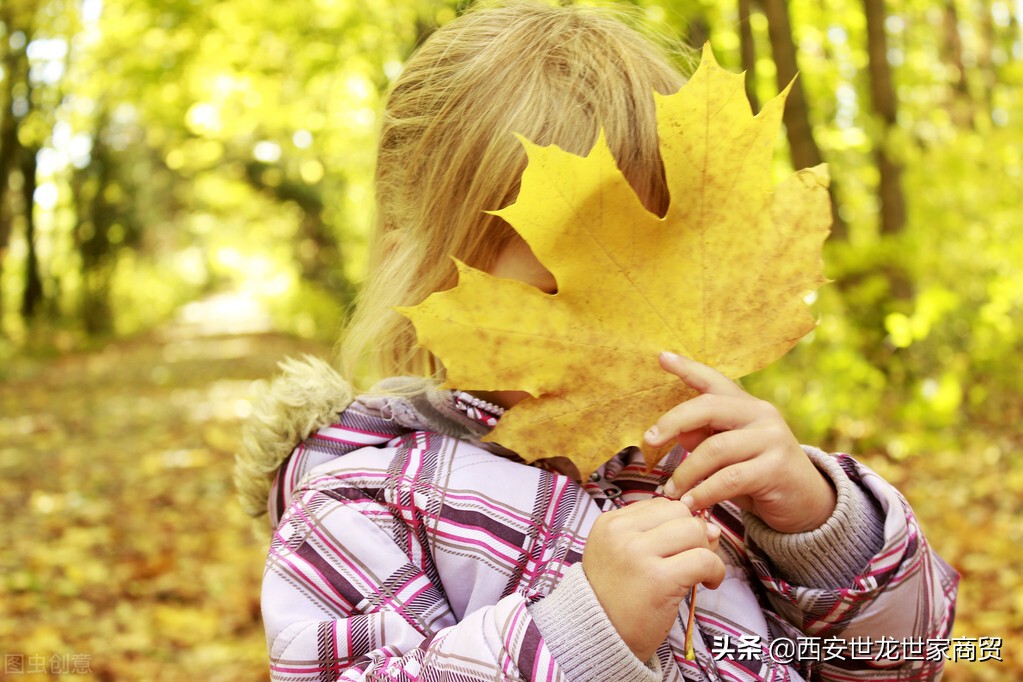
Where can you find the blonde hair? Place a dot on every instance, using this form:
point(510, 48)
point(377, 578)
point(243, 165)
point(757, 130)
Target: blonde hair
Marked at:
point(447, 152)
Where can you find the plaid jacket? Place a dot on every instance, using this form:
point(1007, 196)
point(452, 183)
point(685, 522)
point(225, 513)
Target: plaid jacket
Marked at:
point(403, 553)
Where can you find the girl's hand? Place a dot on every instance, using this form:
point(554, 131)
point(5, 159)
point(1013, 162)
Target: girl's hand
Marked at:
point(740, 449)
point(641, 561)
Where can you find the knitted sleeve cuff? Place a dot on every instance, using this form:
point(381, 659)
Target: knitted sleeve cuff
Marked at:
point(828, 557)
point(582, 639)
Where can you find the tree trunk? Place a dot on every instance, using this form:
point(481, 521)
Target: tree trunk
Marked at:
point(882, 92)
point(699, 31)
point(32, 296)
point(8, 124)
point(985, 59)
point(96, 216)
point(804, 149)
point(8, 142)
point(13, 65)
point(748, 53)
point(797, 114)
point(959, 102)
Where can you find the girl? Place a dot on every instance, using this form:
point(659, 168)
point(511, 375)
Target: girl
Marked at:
point(406, 548)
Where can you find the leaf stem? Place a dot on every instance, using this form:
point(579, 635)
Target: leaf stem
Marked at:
point(690, 651)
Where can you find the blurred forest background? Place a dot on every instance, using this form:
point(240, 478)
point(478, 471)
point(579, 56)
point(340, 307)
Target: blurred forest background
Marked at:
point(184, 199)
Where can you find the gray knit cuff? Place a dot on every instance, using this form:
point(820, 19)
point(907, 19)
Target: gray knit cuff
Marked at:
point(582, 639)
point(828, 557)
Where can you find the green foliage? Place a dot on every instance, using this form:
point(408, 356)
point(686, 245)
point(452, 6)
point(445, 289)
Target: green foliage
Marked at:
point(184, 126)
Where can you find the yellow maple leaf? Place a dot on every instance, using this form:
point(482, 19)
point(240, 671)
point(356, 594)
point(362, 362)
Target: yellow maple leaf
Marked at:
point(721, 278)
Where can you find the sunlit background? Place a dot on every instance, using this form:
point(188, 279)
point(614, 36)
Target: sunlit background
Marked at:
point(185, 194)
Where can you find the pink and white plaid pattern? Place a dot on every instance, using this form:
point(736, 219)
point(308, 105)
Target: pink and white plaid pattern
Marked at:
point(406, 555)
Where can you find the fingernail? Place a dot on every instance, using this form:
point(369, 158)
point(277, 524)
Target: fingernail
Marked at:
point(651, 434)
point(669, 356)
point(688, 501)
point(670, 490)
point(713, 532)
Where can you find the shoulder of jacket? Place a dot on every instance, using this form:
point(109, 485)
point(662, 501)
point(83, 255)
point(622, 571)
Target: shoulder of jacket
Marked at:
point(307, 395)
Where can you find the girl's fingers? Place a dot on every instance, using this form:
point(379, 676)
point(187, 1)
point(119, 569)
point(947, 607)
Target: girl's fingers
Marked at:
point(690, 440)
point(713, 536)
point(698, 376)
point(696, 566)
point(680, 535)
point(718, 452)
point(705, 413)
point(645, 515)
point(730, 483)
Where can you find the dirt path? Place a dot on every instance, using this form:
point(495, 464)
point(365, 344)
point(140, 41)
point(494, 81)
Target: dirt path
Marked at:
point(125, 556)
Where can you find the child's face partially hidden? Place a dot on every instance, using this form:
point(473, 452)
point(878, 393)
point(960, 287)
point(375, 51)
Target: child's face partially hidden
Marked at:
point(516, 261)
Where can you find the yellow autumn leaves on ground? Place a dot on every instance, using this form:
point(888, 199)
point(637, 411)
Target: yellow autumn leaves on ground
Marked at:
point(721, 278)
